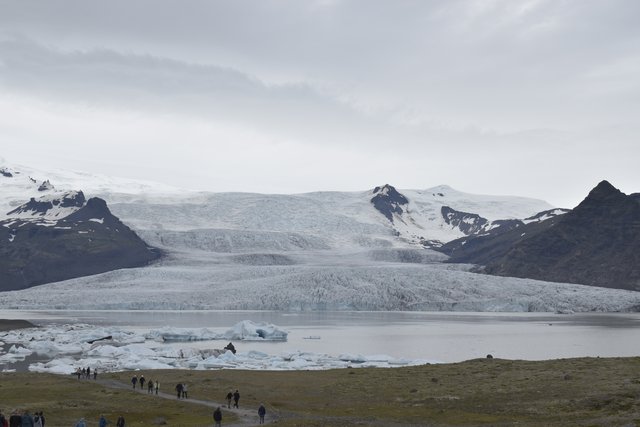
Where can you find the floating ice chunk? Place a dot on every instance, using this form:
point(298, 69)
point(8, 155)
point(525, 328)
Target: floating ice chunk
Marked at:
point(145, 364)
point(379, 358)
point(19, 351)
point(182, 334)
point(245, 330)
point(105, 351)
point(250, 331)
point(57, 366)
point(52, 348)
point(139, 350)
point(228, 356)
point(253, 354)
point(353, 358)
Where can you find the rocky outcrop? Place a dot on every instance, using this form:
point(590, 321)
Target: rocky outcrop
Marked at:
point(36, 248)
point(468, 223)
point(597, 243)
point(388, 201)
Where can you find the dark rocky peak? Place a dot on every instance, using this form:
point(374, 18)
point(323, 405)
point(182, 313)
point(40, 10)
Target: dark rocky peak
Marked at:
point(46, 186)
point(605, 201)
point(635, 196)
point(388, 201)
point(73, 199)
point(95, 209)
point(604, 191)
point(34, 207)
point(6, 172)
point(468, 223)
point(44, 205)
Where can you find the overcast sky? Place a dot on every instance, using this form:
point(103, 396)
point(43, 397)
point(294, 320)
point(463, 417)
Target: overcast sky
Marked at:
point(534, 98)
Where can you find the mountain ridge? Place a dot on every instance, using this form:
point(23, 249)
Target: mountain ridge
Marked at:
point(597, 243)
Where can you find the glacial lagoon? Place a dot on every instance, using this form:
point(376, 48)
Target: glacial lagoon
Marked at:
point(430, 336)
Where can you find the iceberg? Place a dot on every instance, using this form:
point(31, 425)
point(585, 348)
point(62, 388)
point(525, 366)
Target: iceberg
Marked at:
point(245, 330)
point(248, 330)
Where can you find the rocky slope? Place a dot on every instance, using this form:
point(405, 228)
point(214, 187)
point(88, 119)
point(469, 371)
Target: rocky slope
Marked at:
point(597, 243)
point(61, 237)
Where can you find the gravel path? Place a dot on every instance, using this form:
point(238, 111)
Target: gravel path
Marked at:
point(246, 417)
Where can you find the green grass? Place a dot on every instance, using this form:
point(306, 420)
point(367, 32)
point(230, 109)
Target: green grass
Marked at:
point(587, 391)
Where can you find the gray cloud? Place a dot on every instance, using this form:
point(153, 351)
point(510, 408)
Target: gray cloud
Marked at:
point(529, 92)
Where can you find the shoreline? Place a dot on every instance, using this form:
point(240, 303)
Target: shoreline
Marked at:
point(13, 324)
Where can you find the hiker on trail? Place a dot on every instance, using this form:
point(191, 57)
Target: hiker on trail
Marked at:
point(84, 372)
point(37, 420)
point(229, 397)
point(236, 398)
point(95, 374)
point(78, 372)
point(261, 412)
point(88, 372)
point(142, 382)
point(157, 383)
point(120, 422)
point(15, 420)
point(102, 422)
point(185, 390)
point(3, 420)
point(27, 419)
point(42, 420)
point(81, 423)
point(217, 417)
point(150, 387)
point(134, 381)
point(179, 390)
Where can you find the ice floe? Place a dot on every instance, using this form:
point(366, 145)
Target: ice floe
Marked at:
point(62, 349)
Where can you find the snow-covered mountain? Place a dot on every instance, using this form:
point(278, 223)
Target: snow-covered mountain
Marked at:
point(367, 250)
point(60, 235)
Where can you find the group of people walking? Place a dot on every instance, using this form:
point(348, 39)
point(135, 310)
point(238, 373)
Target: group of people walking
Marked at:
point(182, 390)
point(23, 420)
point(217, 414)
point(236, 398)
point(86, 373)
point(152, 386)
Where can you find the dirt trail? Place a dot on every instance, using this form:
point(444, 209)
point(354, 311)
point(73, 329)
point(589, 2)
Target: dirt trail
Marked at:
point(246, 417)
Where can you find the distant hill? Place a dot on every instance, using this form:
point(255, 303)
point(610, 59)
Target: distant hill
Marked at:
point(597, 243)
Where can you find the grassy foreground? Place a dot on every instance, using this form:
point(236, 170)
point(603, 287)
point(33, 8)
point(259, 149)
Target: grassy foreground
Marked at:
point(566, 392)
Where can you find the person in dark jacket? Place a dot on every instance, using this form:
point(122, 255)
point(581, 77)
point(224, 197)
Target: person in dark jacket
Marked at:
point(217, 417)
point(261, 413)
point(236, 398)
point(27, 419)
point(102, 422)
point(134, 381)
point(229, 397)
point(179, 390)
point(15, 420)
point(120, 422)
point(142, 382)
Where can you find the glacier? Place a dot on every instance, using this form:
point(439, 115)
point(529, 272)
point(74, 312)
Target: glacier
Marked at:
point(300, 252)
